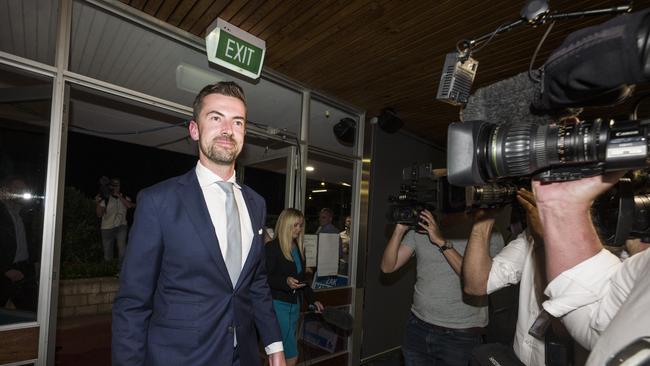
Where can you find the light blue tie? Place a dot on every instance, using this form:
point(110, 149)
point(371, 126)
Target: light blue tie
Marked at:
point(233, 241)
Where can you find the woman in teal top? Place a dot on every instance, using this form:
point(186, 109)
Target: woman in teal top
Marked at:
point(285, 264)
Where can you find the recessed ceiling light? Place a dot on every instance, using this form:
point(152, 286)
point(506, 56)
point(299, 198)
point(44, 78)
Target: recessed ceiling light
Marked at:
point(322, 184)
point(309, 168)
point(345, 184)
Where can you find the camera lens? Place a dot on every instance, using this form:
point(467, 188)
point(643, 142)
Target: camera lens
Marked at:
point(521, 149)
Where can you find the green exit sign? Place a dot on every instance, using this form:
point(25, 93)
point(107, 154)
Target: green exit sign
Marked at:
point(234, 49)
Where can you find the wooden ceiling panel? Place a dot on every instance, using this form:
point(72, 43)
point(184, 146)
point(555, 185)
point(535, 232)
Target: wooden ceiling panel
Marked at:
point(196, 13)
point(231, 9)
point(138, 4)
point(207, 17)
point(167, 8)
point(250, 8)
point(152, 6)
point(380, 53)
point(181, 10)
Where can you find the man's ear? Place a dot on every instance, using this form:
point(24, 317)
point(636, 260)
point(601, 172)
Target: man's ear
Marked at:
point(194, 130)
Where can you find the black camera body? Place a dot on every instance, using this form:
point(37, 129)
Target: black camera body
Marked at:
point(623, 212)
point(513, 128)
point(427, 188)
point(569, 149)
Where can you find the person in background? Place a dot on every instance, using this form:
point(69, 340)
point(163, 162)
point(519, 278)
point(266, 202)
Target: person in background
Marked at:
point(442, 329)
point(285, 263)
point(520, 262)
point(602, 301)
point(325, 217)
point(17, 272)
point(344, 246)
point(111, 207)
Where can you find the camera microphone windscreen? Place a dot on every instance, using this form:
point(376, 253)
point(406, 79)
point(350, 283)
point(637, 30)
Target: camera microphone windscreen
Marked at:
point(596, 66)
point(507, 100)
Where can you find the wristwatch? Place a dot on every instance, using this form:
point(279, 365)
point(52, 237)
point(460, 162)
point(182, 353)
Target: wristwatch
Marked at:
point(447, 245)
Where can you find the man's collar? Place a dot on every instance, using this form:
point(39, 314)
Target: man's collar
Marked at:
point(206, 177)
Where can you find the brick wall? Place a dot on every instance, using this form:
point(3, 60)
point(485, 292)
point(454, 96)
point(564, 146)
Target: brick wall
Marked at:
point(88, 296)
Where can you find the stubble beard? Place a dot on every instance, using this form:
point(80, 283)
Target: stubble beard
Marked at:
point(220, 155)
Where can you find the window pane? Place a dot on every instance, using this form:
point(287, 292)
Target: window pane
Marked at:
point(25, 102)
point(113, 144)
point(28, 28)
point(264, 163)
point(327, 211)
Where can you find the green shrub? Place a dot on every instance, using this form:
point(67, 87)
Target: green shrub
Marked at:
point(81, 238)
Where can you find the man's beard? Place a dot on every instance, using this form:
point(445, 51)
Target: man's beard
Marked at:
point(221, 156)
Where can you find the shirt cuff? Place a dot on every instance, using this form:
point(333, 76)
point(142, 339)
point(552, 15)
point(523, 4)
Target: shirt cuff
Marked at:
point(581, 285)
point(274, 347)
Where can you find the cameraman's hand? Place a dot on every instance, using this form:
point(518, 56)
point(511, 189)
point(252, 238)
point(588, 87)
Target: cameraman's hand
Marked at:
point(527, 201)
point(486, 214)
point(576, 194)
point(401, 229)
point(428, 223)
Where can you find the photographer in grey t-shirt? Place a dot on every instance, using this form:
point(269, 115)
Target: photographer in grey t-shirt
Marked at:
point(442, 328)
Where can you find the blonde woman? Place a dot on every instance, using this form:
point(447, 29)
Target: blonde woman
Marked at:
point(285, 263)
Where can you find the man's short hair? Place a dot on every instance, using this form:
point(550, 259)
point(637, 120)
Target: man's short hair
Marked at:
point(227, 88)
point(327, 211)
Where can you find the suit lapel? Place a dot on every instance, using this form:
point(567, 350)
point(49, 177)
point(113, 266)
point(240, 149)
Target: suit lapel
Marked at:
point(255, 225)
point(197, 210)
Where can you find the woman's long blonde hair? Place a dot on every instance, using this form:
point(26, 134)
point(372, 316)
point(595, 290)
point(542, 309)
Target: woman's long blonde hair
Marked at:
point(288, 217)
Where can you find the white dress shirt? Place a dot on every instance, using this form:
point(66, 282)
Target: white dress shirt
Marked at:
point(605, 303)
point(215, 199)
point(516, 264)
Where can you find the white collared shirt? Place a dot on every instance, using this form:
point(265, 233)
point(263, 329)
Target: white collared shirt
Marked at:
point(516, 264)
point(603, 303)
point(215, 199)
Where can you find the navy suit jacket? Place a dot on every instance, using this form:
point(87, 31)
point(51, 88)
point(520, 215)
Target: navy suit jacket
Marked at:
point(176, 304)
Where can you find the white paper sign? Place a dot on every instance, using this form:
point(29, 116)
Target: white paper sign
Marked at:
point(310, 243)
point(328, 254)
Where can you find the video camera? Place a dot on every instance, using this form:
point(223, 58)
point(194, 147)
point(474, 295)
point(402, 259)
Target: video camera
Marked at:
point(427, 188)
point(525, 137)
point(623, 212)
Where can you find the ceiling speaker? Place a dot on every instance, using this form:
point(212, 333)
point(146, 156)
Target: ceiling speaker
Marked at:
point(388, 120)
point(345, 131)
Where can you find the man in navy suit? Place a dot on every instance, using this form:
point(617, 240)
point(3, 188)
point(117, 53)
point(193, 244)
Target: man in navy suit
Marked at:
point(190, 294)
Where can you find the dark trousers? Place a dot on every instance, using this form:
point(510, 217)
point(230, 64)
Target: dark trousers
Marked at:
point(24, 293)
point(426, 344)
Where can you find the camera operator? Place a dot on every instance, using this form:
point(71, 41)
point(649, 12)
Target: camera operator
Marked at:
point(441, 329)
point(520, 262)
point(112, 208)
point(604, 302)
